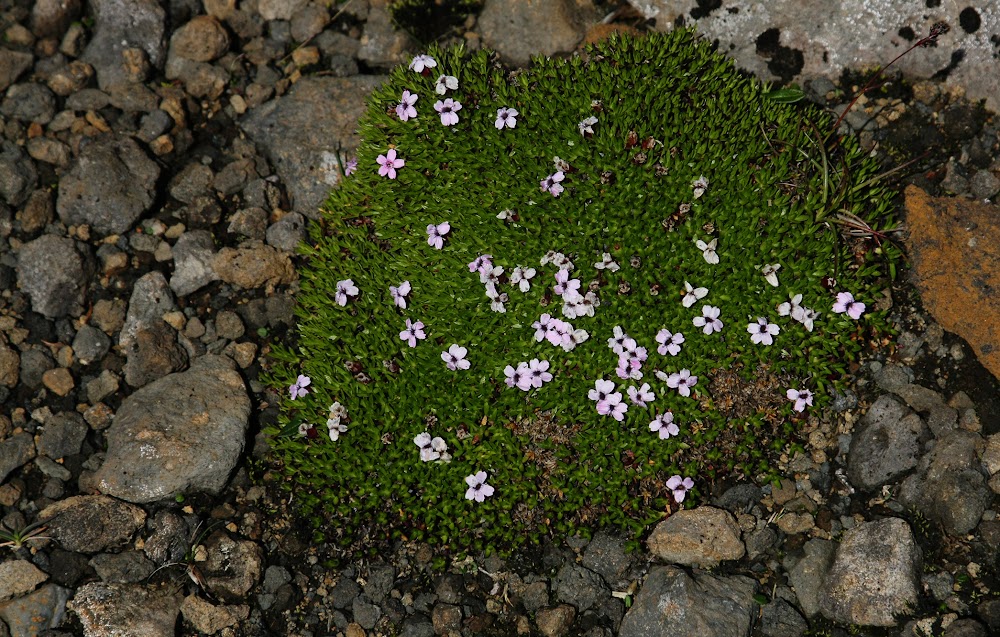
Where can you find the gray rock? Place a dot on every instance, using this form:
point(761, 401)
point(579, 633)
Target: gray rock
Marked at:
point(229, 326)
point(249, 222)
point(168, 539)
point(192, 444)
point(737, 499)
point(279, 9)
point(887, 446)
point(533, 596)
point(52, 469)
point(194, 180)
point(287, 233)
point(133, 97)
point(450, 588)
point(122, 568)
point(518, 29)
point(51, 18)
point(233, 566)
point(199, 79)
point(103, 386)
point(791, 40)
point(234, 176)
point(36, 612)
point(966, 627)
point(54, 271)
point(984, 184)
point(151, 299)
point(882, 552)
point(367, 614)
point(153, 124)
point(780, 619)
point(18, 577)
point(154, 354)
point(34, 363)
point(15, 451)
point(704, 536)
point(942, 419)
point(18, 175)
point(12, 65)
point(919, 398)
point(284, 130)
point(382, 44)
point(150, 611)
point(606, 556)
point(892, 377)
point(344, 592)
point(92, 523)
point(308, 22)
point(417, 625)
point(808, 574)
point(275, 577)
point(48, 150)
point(90, 345)
point(379, 583)
point(760, 541)
point(671, 602)
point(108, 187)
point(948, 486)
point(62, 435)
point(194, 253)
point(88, 99)
point(29, 102)
point(579, 586)
point(121, 25)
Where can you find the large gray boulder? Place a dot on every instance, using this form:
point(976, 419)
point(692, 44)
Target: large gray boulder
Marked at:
point(181, 433)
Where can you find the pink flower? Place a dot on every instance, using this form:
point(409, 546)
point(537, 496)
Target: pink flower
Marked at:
point(435, 234)
point(352, 165)
point(616, 342)
point(564, 284)
point(413, 332)
point(345, 289)
point(682, 381)
point(613, 406)
point(299, 387)
point(669, 343)
point(641, 395)
point(478, 489)
point(552, 184)
point(448, 109)
point(846, 304)
point(519, 377)
point(522, 277)
point(709, 319)
point(454, 358)
point(538, 372)
point(801, 398)
point(602, 389)
point(481, 262)
point(431, 449)
point(680, 487)
point(664, 425)
point(399, 294)
point(506, 117)
point(405, 109)
point(762, 331)
point(388, 163)
point(446, 83)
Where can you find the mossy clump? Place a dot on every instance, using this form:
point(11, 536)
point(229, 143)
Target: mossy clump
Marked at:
point(664, 152)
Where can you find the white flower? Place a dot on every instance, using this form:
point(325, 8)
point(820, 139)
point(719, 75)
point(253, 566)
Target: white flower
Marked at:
point(431, 448)
point(505, 214)
point(336, 428)
point(693, 295)
point(490, 274)
point(602, 389)
point(345, 289)
point(708, 250)
point(709, 319)
point(607, 263)
point(791, 308)
point(762, 332)
point(587, 125)
point(422, 62)
point(770, 272)
point(617, 342)
point(700, 185)
point(808, 316)
point(446, 82)
point(497, 299)
point(522, 277)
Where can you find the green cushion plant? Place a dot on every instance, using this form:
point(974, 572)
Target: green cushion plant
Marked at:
point(652, 168)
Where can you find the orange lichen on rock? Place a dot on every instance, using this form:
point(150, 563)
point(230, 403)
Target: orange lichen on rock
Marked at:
point(955, 251)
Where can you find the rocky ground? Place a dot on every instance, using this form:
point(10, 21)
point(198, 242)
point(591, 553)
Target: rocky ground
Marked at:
point(158, 163)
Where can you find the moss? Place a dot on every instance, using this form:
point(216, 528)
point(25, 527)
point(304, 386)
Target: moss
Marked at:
point(669, 110)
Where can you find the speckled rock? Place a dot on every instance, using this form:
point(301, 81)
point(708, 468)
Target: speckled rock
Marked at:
point(62, 436)
point(151, 299)
point(201, 40)
point(36, 612)
point(18, 577)
point(191, 443)
point(149, 611)
point(208, 618)
point(886, 446)
point(92, 523)
point(120, 25)
point(518, 29)
point(193, 253)
point(704, 536)
point(253, 266)
point(14, 452)
point(959, 292)
point(233, 566)
point(12, 65)
point(18, 175)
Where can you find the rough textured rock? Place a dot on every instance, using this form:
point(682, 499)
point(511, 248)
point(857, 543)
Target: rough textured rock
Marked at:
point(948, 486)
point(120, 25)
point(789, 40)
point(193, 256)
point(233, 566)
point(191, 444)
point(875, 575)
point(18, 577)
point(605, 555)
point(671, 602)
point(697, 537)
point(154, 354)
point(210, 619)
point(122, 568)
point(151, 299)
point(92, 523)
point(518, 29)
point(62, 436)
point(54, 271)
point(201, 40)
point(51, 18)
point(887, 446)
point(285, 130)
point(555, 622)
point(108, 186)
point(383, 45)
point(17, 174)
point(147, 610)
point(808, 575)
point(14, 452)
point(253, 266)
point(580, 587)
point(12, 65)
point(36, 612)
point(959, 292)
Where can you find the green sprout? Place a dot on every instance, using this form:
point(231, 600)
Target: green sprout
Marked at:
point(641, 191)
point(16, 538)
